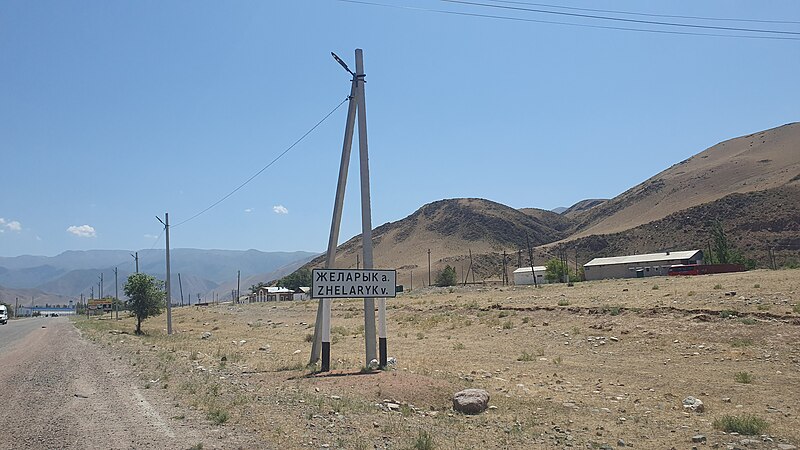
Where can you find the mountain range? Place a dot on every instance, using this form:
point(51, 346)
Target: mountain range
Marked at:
point(209, 273)
point(750, 184)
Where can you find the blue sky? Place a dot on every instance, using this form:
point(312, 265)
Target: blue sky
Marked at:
point(114, 112)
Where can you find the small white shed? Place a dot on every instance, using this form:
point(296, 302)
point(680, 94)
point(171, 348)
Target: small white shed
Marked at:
point(523, 276)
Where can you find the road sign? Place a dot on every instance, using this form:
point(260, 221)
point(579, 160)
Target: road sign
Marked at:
point(352, 283)
point(100, 304)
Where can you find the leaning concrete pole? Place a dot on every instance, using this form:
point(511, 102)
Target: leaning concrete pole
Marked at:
point(366, 211)
point(324, 307)
point(169, 287)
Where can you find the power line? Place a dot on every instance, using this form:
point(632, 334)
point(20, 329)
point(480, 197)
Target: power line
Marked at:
point(620, 19)
point(571, 24)
point(226, 196)
point(631, 13)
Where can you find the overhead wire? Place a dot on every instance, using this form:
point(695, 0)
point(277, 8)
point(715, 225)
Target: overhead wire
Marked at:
point(294, 144)
point(621, 19)
point(571, 24)
point(641, 14)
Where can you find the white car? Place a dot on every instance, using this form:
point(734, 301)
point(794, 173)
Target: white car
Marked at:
point(3, 314)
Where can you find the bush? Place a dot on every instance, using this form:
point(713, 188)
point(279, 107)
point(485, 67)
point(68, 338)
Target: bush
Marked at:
point(424, 441)
point(743, 377)
point(747, 424)
point(447, 277)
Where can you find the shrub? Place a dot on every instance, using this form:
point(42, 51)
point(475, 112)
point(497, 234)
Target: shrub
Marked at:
point(447, 277)
point(655, 287)
point(725, 313)
point(507, 325)
point(743, 377)
point(563, 303)
point(747, 424)
point(458, 346)
point(218, 415)
point(424, 441)
point(741, 342)
point(525, 356)
point(717, 286)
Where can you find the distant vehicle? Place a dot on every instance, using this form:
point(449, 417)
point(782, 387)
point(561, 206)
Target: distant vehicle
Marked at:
point(704, 269)
point(3, 314)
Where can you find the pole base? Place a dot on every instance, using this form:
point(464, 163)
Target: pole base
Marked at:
point(383, 352)
point(326, 357)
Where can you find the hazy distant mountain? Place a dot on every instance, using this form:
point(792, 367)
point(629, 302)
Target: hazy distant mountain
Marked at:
point(559, 210)
point(77, 272)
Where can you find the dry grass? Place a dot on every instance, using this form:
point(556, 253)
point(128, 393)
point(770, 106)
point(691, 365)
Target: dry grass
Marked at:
point(614, 364)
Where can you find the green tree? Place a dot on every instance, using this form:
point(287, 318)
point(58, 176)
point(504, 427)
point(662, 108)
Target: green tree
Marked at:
point(299, 278)
point(447, 277)
point(555, 270)
point(721, 250)
point(256, 287)
point(146, 297)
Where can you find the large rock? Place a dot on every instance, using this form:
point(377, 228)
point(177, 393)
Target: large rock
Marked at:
point(693, 404)
point(471, 401)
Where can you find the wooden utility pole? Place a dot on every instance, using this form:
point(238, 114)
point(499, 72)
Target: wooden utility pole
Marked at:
point(180, 286)
point(238, 284)
point(136, 258)
point(116, 292)
point(530, 259)
point(429, 267)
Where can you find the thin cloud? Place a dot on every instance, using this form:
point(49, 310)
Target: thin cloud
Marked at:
point(150, 236)
point(280, 209)
point(84, 231)
point(12, 225)
point(249, 210)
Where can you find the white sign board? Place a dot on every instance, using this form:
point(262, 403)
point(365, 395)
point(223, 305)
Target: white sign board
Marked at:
point(353, 283)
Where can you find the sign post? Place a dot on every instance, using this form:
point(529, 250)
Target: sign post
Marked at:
point(356, 112)
point(327, 284)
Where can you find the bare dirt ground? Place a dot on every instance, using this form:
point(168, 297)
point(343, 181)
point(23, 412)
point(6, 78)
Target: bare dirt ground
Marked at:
point(599, 365)
point(62, 391)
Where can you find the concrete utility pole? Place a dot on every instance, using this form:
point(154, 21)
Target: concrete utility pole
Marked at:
point(136, 257)
point(16, 307)
point(169, 294)
point(238, 283)
point(322, 329)
point(357, 107)
point(530, 258)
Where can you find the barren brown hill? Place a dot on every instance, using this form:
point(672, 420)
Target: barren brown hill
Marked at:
point(756, 162)
point(450, 229)
point(552, 219)
point(582, 206)
point(753, 222)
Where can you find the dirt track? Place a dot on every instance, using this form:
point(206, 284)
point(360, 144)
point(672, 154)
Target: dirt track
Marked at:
point(62, 391)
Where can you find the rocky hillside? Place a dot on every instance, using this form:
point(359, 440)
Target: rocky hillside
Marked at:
point(451, 229)
point(753, 222)
point(752, 163)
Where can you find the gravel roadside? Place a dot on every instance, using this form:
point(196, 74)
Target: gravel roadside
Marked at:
point(62, 391)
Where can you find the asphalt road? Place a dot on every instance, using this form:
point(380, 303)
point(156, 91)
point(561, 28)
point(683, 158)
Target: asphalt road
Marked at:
point(58, 390)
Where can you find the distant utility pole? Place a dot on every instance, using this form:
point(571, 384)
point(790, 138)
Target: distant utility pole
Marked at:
point(180, 285)
point(238, 284)
point(169, 294)
point(116, 293)
point(92, 297)
point(530, 258)
point(136, 257)
point(412, 281)
point(16, 307)
point(429, 267)
point(101, 285)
